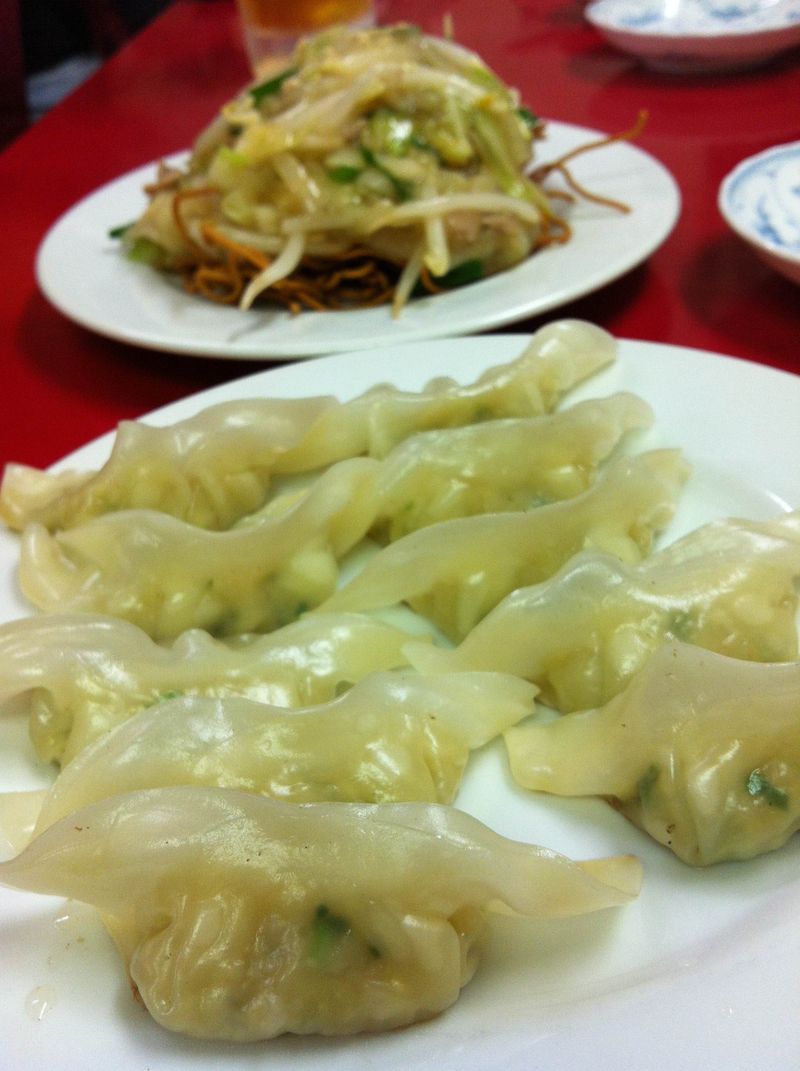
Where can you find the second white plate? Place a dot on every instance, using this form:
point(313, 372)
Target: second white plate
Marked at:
point(132, 303)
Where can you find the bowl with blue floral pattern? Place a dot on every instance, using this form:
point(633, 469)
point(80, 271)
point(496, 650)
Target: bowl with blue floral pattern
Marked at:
point(760, 201)
point(698, 36)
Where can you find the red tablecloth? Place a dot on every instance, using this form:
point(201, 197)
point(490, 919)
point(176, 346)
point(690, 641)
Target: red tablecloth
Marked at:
point(62, 385)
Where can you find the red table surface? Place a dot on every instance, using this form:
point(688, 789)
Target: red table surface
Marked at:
point(62, 385)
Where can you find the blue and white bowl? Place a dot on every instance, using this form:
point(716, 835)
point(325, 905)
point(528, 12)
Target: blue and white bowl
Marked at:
point(760, 201)
point(698, 36)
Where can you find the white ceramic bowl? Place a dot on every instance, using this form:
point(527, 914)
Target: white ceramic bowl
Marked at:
point(698, 36)
point(760, 201)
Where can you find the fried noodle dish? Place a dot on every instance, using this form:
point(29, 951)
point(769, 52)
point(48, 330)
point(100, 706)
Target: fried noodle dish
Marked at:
point(378, 164)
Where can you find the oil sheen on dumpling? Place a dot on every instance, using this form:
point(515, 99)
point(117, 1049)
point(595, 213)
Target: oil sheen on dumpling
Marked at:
point(701, 751)
point(79, 675)
point(501, 465)
point(580, 636)
point(167, 576)
point(241, 918)
point(392, 737)
point(215, 467)
point(455, 571)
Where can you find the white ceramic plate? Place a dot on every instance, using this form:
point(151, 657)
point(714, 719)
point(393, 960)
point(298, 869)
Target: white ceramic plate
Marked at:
point(698, 36)
point(703, 970)
point(760, 200)
point(133, 303)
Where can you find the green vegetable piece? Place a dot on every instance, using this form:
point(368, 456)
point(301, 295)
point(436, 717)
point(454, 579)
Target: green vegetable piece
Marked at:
point(327, 931)
point(448, 134)
point(344, 174)
point(681, 625)
point(164, 697)
point(231, 156)
point(417, 141)
point(761, 787)
point(272, 86)
point(145, 251)
point(530, 120)
point(390, 132)
point(120, 231)
point(482, 76)
point(494, 151)
point(402, 190)
point(469, 271)
point(645, 784)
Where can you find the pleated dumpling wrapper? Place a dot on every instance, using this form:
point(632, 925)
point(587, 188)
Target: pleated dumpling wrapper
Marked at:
point(500, 465)
point(216, 466)
point(79, 675)
point(701, 751)
point(241, 918)
point(167, 576)
point(728, 586)
point(454, 572)
point(392, 737)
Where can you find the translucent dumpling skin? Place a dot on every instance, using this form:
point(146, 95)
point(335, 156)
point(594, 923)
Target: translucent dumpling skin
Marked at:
point(454, 572)
point(391, 737)
point(498, 465)
point(242, 918)
point(701, 751)
point(167, 576)
point(558, 357)
point(580, 636)
point(80, 675)
point(209, 469)
point(215, 467)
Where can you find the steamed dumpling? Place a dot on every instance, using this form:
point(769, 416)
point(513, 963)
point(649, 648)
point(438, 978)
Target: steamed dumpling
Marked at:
point(701, 751)
point(454, 572)
point(79, 675)
point(580, 636)
point(167, 576)
point(502, 464)
point(216, 466)
point(209, 469)
point(241, 918)
point(557, 358)
point(392, 737)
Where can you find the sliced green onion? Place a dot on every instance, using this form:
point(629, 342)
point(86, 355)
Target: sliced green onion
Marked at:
point(495, 153)
point(760, 786)
point(344, 173)
point(120, 231)
point(145, 251)
point(231, 156)
point(469, 271)
point(681, 625)
point(390, 132)
point(482, 76)
point(645, 784)
point(164, 697)
point(326, 932)
point(271, 87)
point(402, 189)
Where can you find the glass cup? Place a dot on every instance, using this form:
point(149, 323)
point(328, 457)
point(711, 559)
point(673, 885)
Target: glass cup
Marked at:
point(271, 28)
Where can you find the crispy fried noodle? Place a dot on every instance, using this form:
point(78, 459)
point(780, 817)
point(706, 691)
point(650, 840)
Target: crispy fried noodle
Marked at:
point(378, 163)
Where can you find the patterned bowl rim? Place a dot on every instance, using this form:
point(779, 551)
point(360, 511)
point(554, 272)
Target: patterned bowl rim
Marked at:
point(743, 173)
